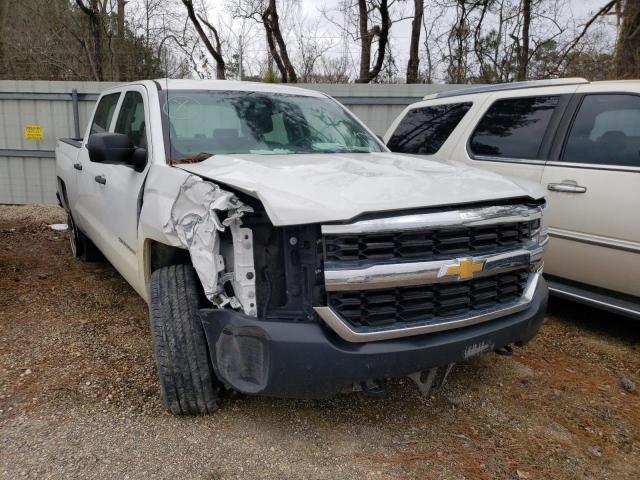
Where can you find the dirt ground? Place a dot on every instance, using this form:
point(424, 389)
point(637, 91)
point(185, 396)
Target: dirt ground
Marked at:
point(79, 395)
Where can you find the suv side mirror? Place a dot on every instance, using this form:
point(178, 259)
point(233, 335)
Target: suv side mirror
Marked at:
point(116, 149)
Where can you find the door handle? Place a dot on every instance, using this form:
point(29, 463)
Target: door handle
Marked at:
point(566, 188)
point(77, 166)
point(100, 179)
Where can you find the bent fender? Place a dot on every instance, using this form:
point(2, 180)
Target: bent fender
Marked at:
point(195, 221)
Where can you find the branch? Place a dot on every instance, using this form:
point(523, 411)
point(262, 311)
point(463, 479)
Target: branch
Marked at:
point(604, 10)
point(213, 30)
point(205, 39)
point(87, 11)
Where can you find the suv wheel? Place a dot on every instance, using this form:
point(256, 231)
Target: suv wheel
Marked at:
point(188, 384)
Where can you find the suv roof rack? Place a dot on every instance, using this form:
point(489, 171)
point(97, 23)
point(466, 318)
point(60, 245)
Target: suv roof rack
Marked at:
point(509, 86)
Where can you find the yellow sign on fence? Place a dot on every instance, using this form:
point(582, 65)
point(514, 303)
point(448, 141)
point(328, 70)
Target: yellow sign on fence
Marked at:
point(33, 132)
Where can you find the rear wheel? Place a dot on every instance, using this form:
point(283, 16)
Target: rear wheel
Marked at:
point(74, 237)
point(81, 246)
point(90, 252)
point(188, 384)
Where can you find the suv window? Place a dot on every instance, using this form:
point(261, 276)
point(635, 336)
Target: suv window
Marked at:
point(606, 130)
point(424, 130)
point(104, 113)
point(514, 127)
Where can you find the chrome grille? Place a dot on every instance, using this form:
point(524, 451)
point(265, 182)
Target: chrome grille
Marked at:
point(426, 244)
point(414, 273)
point(386, 307)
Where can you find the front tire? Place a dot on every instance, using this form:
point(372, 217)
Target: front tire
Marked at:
point(188, 385)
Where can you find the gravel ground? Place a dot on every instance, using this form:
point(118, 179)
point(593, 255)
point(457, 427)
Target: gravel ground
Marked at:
point(79, 395)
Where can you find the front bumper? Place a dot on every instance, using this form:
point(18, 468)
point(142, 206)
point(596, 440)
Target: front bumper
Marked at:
point(307, 360)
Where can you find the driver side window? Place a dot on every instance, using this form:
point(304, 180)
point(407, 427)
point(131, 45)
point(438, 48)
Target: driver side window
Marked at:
point(104, 113)
point(131, 119)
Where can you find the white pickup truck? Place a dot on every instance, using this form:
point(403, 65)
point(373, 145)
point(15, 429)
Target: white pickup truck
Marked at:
point(284, 251)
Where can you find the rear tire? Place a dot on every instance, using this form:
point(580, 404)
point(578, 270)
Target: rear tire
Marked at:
point(188, 385)
point(90, 252)
point(81, 246)
point(74, 238)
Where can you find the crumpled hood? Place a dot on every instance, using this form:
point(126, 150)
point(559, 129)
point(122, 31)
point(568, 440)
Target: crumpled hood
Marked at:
point(314, 188)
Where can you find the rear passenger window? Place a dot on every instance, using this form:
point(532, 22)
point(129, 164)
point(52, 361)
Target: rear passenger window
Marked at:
point(424, 130)
point(104, 113)
point(606, 131)
point(514, 128)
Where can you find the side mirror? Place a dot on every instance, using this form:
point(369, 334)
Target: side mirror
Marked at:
point(116, 149)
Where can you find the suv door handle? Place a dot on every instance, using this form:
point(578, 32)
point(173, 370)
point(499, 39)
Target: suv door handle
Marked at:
point(100, 179)
point(566, 188)
point(77, 166)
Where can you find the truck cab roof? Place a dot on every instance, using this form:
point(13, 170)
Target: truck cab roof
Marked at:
point(222, 85)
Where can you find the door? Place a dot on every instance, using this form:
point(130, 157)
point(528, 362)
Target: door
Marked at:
point(594, 195)
point(88, 202)
point(122, 190)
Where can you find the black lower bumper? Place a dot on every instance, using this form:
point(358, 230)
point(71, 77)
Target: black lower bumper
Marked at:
point(306, 360)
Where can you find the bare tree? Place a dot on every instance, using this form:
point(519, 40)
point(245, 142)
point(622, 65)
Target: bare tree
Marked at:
point(95, 11)
point(312, 47)
point(215, 51)
point(277, 45)
point(366, 9)
point(570, 48)
point(121, 54)
point(333, 70)
point(523, 57)
point(458, 42)
point(54, 40)
point(414, 47)
point(265, 12)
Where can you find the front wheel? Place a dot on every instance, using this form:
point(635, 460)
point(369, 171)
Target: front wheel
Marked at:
point(188, 385)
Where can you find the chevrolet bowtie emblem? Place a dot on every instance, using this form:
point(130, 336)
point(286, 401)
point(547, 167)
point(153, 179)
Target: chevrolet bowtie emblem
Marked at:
point(465, 269)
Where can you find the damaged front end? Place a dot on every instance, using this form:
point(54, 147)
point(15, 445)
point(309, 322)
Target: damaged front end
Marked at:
point(200, 215)
point(271, 288)
point(255, 275)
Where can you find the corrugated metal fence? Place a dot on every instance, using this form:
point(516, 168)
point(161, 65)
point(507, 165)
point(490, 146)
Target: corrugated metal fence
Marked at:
point(62, 109)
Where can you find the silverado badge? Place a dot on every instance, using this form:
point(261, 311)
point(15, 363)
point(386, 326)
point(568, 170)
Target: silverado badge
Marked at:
point(464, 269)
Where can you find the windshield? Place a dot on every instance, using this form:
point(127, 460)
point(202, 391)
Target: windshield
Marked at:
point(203, 123)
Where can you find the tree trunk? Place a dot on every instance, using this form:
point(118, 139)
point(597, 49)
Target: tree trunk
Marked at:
point(365, 42)
point(215, 52)
point(523, 60)
point(414, 46)
point(366, 39)
point(95, 26)
point(383, 38)
point(273, 49)
point(4, 15)
point(121, 54)
point(628, 47)
point(282, 47)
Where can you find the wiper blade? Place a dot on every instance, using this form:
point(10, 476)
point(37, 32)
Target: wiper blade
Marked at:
point(199, 157)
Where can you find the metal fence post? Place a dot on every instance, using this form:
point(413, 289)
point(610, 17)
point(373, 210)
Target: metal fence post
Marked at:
point(76, 113)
